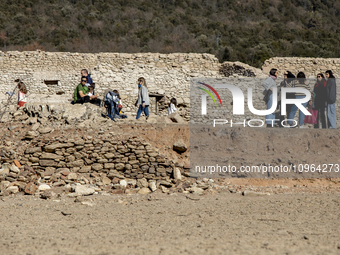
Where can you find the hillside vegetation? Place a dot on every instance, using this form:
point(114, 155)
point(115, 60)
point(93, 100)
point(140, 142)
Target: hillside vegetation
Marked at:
point(245, 30)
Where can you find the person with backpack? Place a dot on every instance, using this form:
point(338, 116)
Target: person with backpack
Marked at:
point(120, 105)
point(331, 99)
point(112, 100)
point(143, 99)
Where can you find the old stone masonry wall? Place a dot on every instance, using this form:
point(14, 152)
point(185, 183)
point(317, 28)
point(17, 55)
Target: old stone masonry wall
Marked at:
point(310, 66)
point(51, 73)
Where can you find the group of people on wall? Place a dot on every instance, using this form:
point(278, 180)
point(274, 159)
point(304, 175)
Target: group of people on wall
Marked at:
point(84, 93)
point(322, 102)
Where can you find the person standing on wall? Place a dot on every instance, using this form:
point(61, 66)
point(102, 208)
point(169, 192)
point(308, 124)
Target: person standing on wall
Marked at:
point(288, 78)
point(300, 82)
point(143, 98)
point(22, 99)
point(268, 84)
point(319, 100)
point(331, 98)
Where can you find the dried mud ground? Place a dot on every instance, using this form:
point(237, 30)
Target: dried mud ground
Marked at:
point(300, 216)
point(222, 223)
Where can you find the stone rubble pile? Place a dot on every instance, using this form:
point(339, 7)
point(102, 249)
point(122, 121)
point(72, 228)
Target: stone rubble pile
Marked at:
point(85, 165)
point(36, 114)
point(238, 69)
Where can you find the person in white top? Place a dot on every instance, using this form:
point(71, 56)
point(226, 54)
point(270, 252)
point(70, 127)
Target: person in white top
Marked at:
point(172, 106)
point(22, 99)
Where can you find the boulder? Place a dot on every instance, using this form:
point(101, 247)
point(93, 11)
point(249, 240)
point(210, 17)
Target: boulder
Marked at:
point(152, 186)
point(177, 174)
point(50, 156)
point(30, 188)
point(175, 117)
point(33, 150)
point(13, 189)
point(15, 169)
point(75, 113)
point(97, 167)
point(180, 146)
point(31, 134)
point(144, 191)
point(81, 190)
point(43, 187)
point(35, 126)
point(54, 146)
point(44, 130)
point(72, 176)
point(47, 163)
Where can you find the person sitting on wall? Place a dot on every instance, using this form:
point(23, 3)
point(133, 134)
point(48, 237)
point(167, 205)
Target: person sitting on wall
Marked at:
point(93, 98)
point(120, 105)
point(81, 92)
point(85, 73)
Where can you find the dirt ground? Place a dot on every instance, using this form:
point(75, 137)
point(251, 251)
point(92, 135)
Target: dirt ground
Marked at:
point(299, 216)
point(222, 223)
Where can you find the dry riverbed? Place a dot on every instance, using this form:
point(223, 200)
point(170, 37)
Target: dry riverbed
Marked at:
point(218, 223)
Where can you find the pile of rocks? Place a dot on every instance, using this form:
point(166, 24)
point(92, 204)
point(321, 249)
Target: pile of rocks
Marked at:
point(64, 114)
point(231, 69)
point(84, 165)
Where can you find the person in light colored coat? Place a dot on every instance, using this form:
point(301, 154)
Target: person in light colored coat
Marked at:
point(143, 100)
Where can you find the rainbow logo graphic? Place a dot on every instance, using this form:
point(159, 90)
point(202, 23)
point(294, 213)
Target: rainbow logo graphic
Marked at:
point(209, 93)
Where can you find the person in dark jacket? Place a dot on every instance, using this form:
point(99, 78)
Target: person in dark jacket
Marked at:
point(85, 73)
point(331, 99)
point(288, 78)
point(319, 100)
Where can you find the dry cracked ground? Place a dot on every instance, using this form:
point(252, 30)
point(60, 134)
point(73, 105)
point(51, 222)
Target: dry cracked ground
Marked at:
point(222, 223)
point(300, 216)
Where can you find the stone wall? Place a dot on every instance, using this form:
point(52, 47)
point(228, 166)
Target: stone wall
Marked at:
point(166, 74)
point(310, 66)
point(100, 162)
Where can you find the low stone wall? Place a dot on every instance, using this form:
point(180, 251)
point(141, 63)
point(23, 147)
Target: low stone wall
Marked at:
point(101, 162)
point(166, 74)
point(57, 72)
point(310, 66)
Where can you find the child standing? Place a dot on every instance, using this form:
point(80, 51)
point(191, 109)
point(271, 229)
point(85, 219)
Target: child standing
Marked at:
point(22, 94)
point(172, 106)
point(143, 98)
